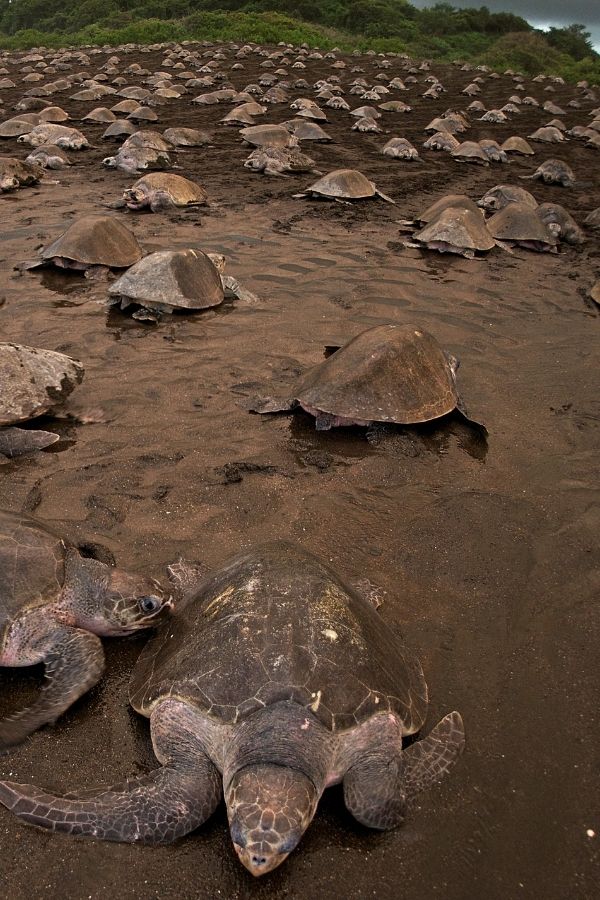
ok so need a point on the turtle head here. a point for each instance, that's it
(132, 602)
(269, 808)
(109, 601)
(135, 198)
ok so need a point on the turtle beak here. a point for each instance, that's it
(258, 861)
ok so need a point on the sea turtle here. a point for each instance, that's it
(175, 279)
(16, 173)
(388, 373)
(304, 130)
(163, 190)
(49, 156)
(91, 242)
(455, 230)
(33, 383)
(53, 605)
(61, 135)
(553, 171)
(592, 220)
(470, 152)
(187, 137)
(502, 194)
(400, 148)
(560, 222)
(276, 161)
(442, 140)
(269, 136)
(343, 184)
(137, 159)
(493, 151)
(275, 680)
(547, 135)
(519, 224)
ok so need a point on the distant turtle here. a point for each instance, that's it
(91, 242)
(400, 148)
(366, 125)
(53, 604)
(269, 136)
(277, 161)
(442, 140)
(558, 220)
(388, 373)
(433, 212)
(343, 184)
(456, 230)
(19, 125)
(274, 681)
(16, 173)
(470, 152)
(137, 159)
(519, 224)
(163, 190)
(502, 194)
(554, 171)
(303, 130)
(187, 137)
(547, 135)
(61, 135)
(174, 279)
(49, 156)
(493, 151)
(118, 129)
(34, 382)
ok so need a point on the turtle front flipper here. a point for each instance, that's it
(74, 663)
(426, 762)
(16, 441)
(156, 808)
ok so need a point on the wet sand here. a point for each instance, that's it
(487, 553)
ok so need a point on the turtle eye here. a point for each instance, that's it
(149, 604)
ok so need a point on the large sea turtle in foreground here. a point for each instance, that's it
(34, 382)
(273, 681)
(53, 605)
(389, 373)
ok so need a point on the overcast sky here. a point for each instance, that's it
(541, 13)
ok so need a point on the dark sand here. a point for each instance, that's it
(488, 555)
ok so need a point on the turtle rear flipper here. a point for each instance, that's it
(385, 197)
(427, 761)
(73, 664)
(232, 286)
(16, 441)
(265, 405)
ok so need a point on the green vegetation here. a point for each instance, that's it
(442, 32)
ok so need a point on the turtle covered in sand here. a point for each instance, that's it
(343, 185)
(49, 156)
(272, 682)
(163, 190)
(170, 280)
(16, 173)
(389, 373)
(278, 161)
(34, 382)
(53, 605)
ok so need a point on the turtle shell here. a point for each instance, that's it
(32, 563)
(304, 130)
(502, 194)
(267, 136)
(182, 191)
(458, 227)
(34, 382)
(182, 279)
(96, 241)
(519, 222)
(349, 183)
(186, 137)
(433, 212)
(276, 624)
(389, 373)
